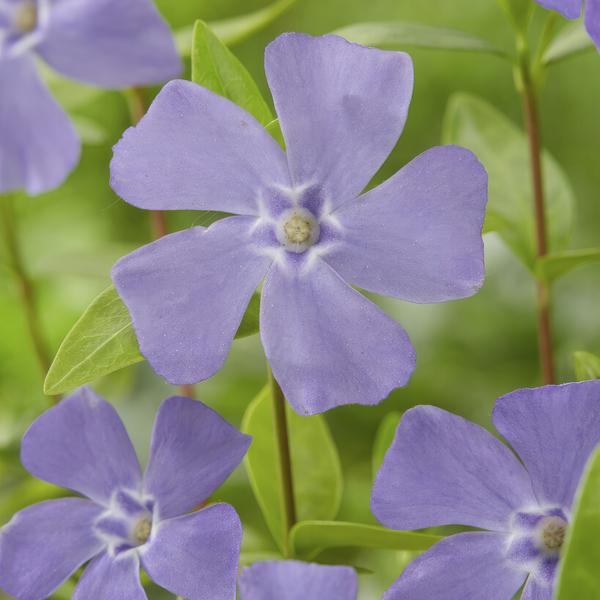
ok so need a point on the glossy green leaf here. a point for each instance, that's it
(400, 35)
(317, 473)
(103, 341)
(553, 266)
(237, 29)
(579, 575)
(587, 366)
(572, 40)
(503, 150)
(215, 67)
(274, 128)
(311, 537)
(383, 439)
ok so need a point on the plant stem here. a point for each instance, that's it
(136, 101)
(24, 283)
(285, 460)
(532, 125)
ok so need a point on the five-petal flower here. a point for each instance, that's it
(128, 518)
(571, 9)
(442, 469)
(303, 224)
(295, 580)
(109, 43)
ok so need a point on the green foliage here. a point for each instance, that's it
(383, 439)
(587, 366)
(503, 150)
(236, 29)
(103, 341)
(579, 575)
(518, 11)
(572, 40)
(400, 35)
(317, 473)
(215, 67)
(311, 537)
(554, 266)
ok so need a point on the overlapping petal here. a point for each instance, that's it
(44, 544)
(592, 20)
(341, 106)
(196, 556)
(571, 9)
(441, 469)
(326, 343)
(295, 580)
(554, 430)
(534, 590)
(187, 293)
(418, 236)
(111, 578)
(81, 444)
(193, 451)
(197, 150)
(110, 43)
(38, 144)
(461, 567)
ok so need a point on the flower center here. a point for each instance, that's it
(26, 17)
(142, 530)
(552, 531)
(297, 230)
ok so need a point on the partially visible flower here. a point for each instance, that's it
(295, 580)
(129, 518)
(108, 43)
(571, 9)
(442, 470)
(304, 225)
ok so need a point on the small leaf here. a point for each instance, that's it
(587, 366)
(383, 439)
(572, 40)
(316, 466)
(503, 150)
(90, 131)
(103, 341)
(553, 266)
(274, 128)
(215, 67)
(236, 29)
(579, 575)
(399, 35)
(311, 537)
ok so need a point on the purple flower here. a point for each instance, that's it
(109, 43)
(303, 225)
(295, 580)
(442, 469)
(130, 518)
(571, 9)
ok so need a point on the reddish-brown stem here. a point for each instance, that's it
(187, 390)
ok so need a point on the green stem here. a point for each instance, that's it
(528, 93)
(284, 459)
(24, 283)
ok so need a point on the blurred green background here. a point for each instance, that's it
(469, 352)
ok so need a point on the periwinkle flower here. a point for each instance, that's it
(442, 469)
(296, 580)
(127, 518)
(109, 43)
(571, 9)
(303, 224)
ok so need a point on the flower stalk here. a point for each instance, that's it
(284, 459)
(24, 283)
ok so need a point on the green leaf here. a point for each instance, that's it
(553, 266)
(215, 67)
(587, 366)
(383, 439)
(317, 473)
(237, 29)
(519, 12)
(311, 537)
(103, 341)
(579, 575)
(399, 35)
(572, 40)
(503, 149)
(274, 128)
(90, 131)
